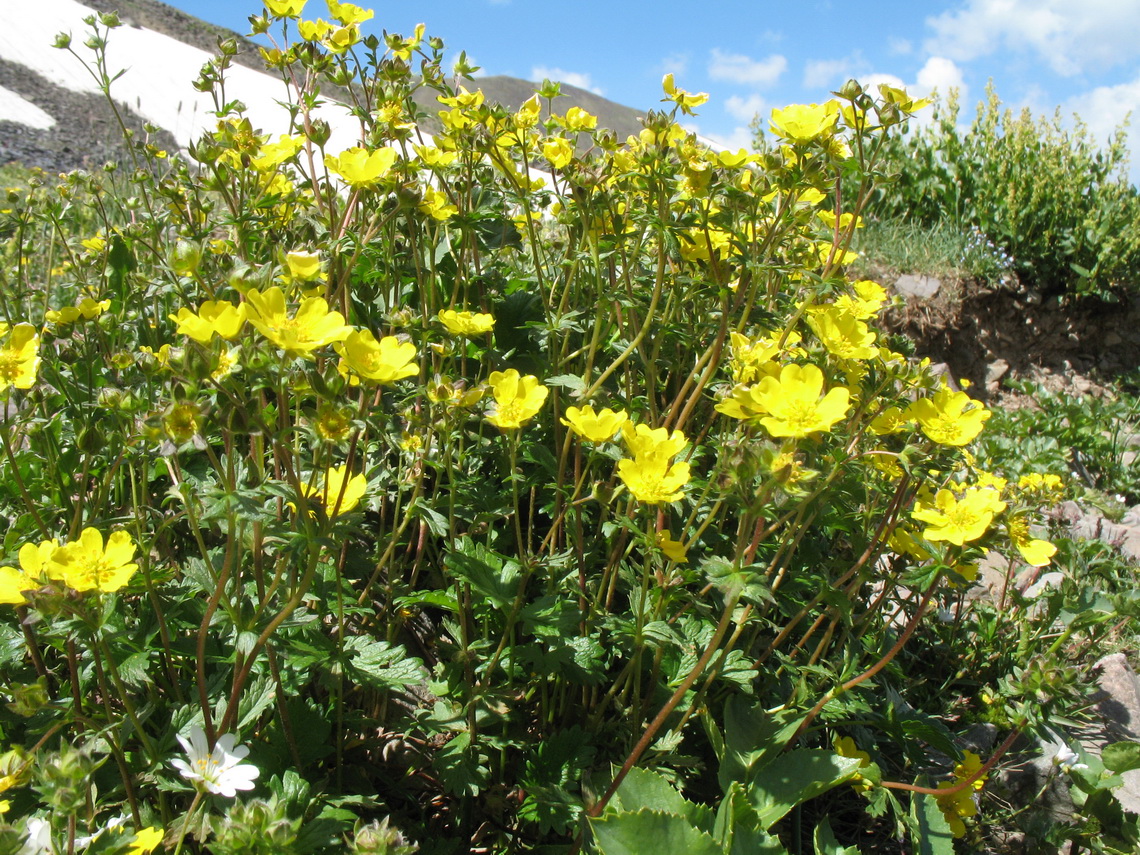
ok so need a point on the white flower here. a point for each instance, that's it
(221, 770)
(1065, 759)
(38, 837)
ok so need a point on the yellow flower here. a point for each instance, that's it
(384, 361)
(867, 301)
(13, 583)
(19, 357)
(891, 420)
(845, 747)
(753, 358)
(517, 399)
(790, 405)
(1036, 552)
(349, 14)
(182, 421)
(649, 475)
(432, 156)
(145, 841)
(161, 357)
(653, 479)
(945, 418)
(645, 442)
(313, 325)
(285, 8)
(466, 323)
(805, 122)
(577, 119)
(87, 308)
(960, 805)
(1050, 488)
(94, 245)
(558, 151)
(227, 364)
(842, 334)
(959, 520)
(303, 266)
(436, 204)
(86, 565)
(681, 98)
(596, 427)
(220, 317)
(271, 155)
(674, 549)
(360, 167)
(341, 492)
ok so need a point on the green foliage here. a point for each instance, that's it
(1056, 204)
(1096, 440)
(392, 497)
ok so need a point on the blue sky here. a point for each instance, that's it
(1079, 55)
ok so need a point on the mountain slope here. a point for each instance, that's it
(51, 114)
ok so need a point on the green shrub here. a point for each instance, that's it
(1058, 205)
(403, 496)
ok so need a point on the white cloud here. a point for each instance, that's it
(738, 68)
(942, 74)
(1103, 110)
(572, 78)
(744, 109)
(740, 137)
(675, 63)
(938, 73)
(1068, 36)
(827, 73)
(899, 47)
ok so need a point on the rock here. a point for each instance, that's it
(919, 287)
(1120, 708)
(995, 371)
(1113, 340)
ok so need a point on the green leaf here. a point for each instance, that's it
(932, 832)
(826, 844)
(461, 768)
(383, 665)
(795, 778)
(644, 789)
(1121, 757)
(568, 381)
(497, 580)
(651, 831)
(752, 735)
(737, 827)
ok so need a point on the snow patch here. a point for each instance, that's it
(13, 108)
(158, 82)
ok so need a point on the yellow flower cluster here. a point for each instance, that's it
(85, 564)
(962, 805)
(650, 475)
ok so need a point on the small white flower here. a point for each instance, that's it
(37, 839)
(221, 770)
(1065, 759)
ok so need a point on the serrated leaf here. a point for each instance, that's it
(644, 789)
(383, 665)
(651, 831)
(487, 573)
(1121, 757)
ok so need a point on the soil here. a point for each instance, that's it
(990, 336)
